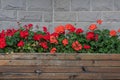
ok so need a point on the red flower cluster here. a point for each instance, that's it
(2, 40)
(113, 33)
(65, 42)
(2, 43)
(93, 27)
(20, 44)
(24, 34)
(79, 30)
(43, 44)
(86, 46)
(37, 37)
(29, 26)
(70, 27)
(53, 50)
(10, 32)
(91, 36)
(76, 46)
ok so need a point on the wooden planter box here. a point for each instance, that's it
(60, 66)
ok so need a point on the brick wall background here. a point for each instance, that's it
(51, 13)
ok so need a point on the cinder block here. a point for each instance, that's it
(33, 16)
(8, 15)
(14, 4)
(117, 5)
(102, 5)
(61, 5)
(110, 25)
(80, 5)
(39, 5)
(88, 16)
(111, 16)
(65, 16)
(48, 16)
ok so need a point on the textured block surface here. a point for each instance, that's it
(117, 5)
(30, 16)
(14, 4)
(80, 5)
(61, 5)
(111, 16)
(8, 15)
(48, 16)
(65, 16)
(88, 16)
(102, 5)
(39, 5)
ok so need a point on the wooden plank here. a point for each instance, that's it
(42, 69)
(103, 69)
(107, 63)
(64, 76)
(35, 56)
(46, 62)
(111, 76)
(69, 63)
(100, 56)
(38, 57)
(100, 76)
(18, 75)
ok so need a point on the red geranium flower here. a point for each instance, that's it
(53, 50)
(2, 34)
(43, 44)
(92, 27)
(60, 29)
(53, 40)
(37, 37)
(90, 36)
(45, 29)
(65, 42)
(76, 46)
(20, 44)
(113, 33)
(79, 30)
(29, 26)
(24, 34)
(55, 34)
(86, 46)
(2, 43)
(10, 32)
(46, 37)
(99, 21)
(70, 27)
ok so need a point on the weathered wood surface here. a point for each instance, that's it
(44, 66)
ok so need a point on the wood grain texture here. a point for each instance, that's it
(37, 66)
